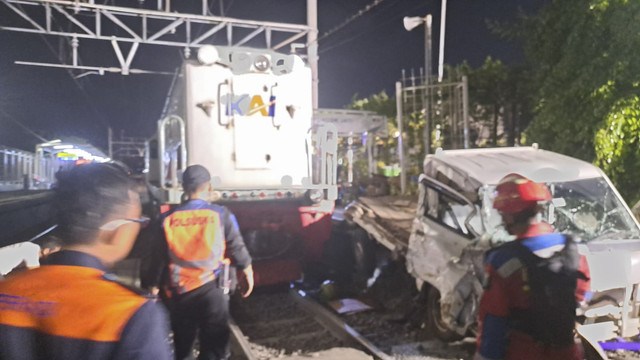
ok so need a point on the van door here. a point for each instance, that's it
(440, 232)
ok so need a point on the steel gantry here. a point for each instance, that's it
(77, 20)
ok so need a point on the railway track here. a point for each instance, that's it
(288, 323)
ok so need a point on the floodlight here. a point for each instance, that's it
(411, 23)
(208, 55)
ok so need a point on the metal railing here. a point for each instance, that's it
(179, 143)
(16, 169)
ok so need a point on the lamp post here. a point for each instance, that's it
(411, 23)
(443, 18)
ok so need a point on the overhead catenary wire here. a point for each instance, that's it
(24, 127)
(388, 20)
(75, 80)
(360, 33)
(350, 19)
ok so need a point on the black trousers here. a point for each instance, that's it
(205, 309)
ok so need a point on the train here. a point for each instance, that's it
(246, 115)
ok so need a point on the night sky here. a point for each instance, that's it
(364, 58)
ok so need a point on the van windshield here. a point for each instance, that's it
(587, 208)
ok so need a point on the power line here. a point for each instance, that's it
(350, 19)
(226, 10)
(361, 33)
(75, 80)
(31, 132)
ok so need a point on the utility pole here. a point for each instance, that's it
(427, 82)
(312, 52)
(443, 18)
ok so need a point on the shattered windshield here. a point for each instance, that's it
(588, 208)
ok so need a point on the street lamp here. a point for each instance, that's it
(411, 23)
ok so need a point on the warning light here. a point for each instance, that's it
(82, 161)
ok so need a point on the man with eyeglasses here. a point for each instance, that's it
(70, 308)
(198, 237)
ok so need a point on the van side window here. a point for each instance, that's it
(447, 211)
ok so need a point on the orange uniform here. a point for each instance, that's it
(68, 309)
(198, 237)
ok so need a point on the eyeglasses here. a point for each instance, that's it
(114, 224)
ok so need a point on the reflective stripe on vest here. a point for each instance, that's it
(196, 243)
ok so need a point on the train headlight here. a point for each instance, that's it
(208, 55)
(261, 63)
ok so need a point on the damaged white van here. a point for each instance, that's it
(445, 232)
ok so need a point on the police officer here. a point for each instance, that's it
(69, 308)
(511, 307)
(198, 236)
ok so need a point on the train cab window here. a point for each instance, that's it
(153, 149)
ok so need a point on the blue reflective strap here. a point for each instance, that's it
(544, 241)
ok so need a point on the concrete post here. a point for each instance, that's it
(427, 75)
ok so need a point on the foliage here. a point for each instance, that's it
(384, 105)
(585, 57)
(387, 147)
(618, 147)
(380, 103)
(498, 95)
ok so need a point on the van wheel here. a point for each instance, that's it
(436, 326)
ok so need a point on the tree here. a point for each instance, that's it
(585, 57)
(381, 104)
(618, 147)
(498, 95)
(488, 88)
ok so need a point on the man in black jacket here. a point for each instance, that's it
(198, 236)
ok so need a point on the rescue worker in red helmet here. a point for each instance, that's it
(198, 237)
(509, 316)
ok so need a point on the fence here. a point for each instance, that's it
(16, 169)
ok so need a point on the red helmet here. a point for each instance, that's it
(515, 193)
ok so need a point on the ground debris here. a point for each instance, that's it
(435, 350)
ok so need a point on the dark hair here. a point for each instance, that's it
(86, 196)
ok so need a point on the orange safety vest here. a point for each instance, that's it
(38, 300)
(196, 245)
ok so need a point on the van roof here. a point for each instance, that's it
(471, 168)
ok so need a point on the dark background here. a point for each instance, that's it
(364, 57)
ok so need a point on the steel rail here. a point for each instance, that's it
(336, 326)
(239, 342)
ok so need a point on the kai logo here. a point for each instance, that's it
(247, 105)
